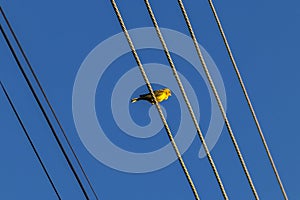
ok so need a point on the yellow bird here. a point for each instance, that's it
(161, 95)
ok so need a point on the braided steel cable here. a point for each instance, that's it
(136, 57)
(213, 87)
(186, 98)
(248, 99)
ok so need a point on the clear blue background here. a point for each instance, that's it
(58, 35)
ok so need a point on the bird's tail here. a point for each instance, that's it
(134, 100)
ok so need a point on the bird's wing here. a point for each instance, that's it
(158, 92)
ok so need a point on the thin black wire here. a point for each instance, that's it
(44, 112)
(30, 141)
(47, 100)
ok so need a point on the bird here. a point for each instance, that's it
(161, 95)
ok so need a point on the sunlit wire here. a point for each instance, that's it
(213, 87)
(153, 19)
(247, 98)
(156, 102)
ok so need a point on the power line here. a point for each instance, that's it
(30, 141)
(120, 19)
(213, 87)
(247, 98)
(44, 112)
(47, 101)
(186, 98)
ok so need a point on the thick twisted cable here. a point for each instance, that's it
(218, 100)
(186, 99)
(155, 100)
(248, 99)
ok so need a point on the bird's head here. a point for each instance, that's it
(168, 92)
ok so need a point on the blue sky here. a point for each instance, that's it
(58, 36)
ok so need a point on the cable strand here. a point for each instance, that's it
(212, 85)
(187, 102)
(247, 98)
(120, 19)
